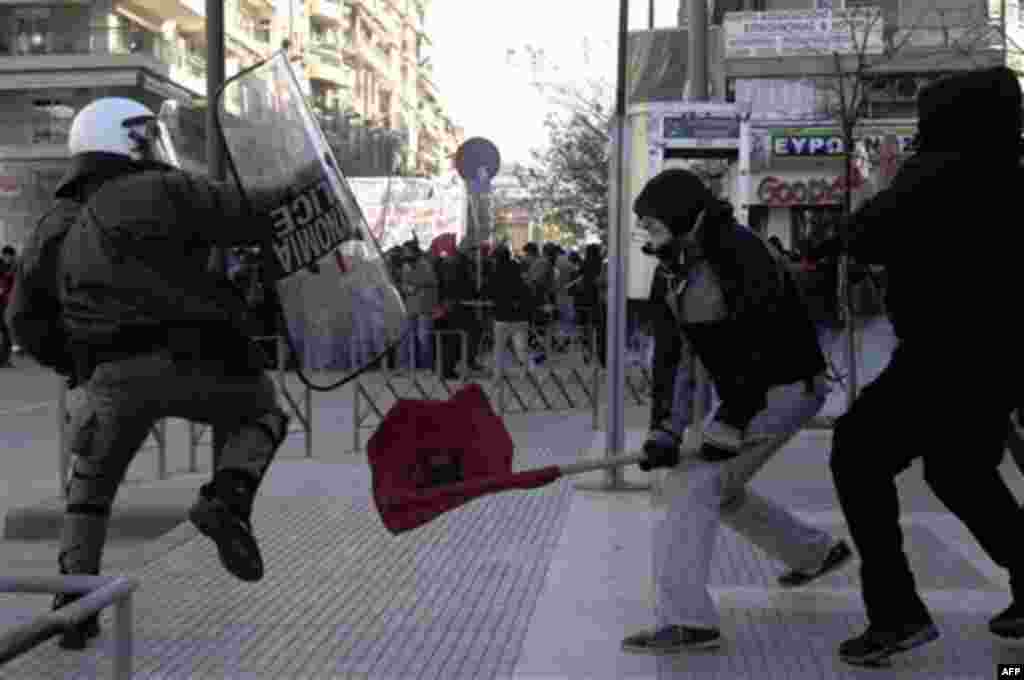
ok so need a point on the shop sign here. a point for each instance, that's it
(803, 32)
(776, 192)
(698, 125)
(810, 144)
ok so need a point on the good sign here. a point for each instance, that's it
(308, 227)
(776, 192)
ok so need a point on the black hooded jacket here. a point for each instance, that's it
(748, 324)
(940, 228)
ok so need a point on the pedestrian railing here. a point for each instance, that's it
(569, 378)
(98, 593)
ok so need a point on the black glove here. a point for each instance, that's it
(660, 450)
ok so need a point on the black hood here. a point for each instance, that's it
(88, 171)
(949, 107)
(676, 197)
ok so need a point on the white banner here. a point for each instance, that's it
(415, 208)
(803, 32)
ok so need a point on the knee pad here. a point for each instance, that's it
(275, 425)
(88, 490)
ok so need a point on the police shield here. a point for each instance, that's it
(336, 290)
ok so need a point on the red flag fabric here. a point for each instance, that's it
(443, 243)
(428, 457)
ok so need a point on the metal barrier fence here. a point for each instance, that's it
(569, 378)
(299, 406)
(99, 592)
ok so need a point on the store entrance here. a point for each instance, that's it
(810, 226)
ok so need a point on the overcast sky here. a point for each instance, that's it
(490, 97)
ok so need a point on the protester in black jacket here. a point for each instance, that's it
(947, 393)
(507, 289)
(742, 316)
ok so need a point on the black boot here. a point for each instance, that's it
(77, 636)
(223, 513)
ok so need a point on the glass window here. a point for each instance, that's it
(51, 121)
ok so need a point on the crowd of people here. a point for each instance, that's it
(456, 295)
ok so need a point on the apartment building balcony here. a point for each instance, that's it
(374, 57)
(190, 72)
(263, 8)
(325, 63)
(377, 10)
(250, 32)
(94, 57)
(188, 14)
(331, 10)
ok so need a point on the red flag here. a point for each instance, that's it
(444, 243)
(428, 457)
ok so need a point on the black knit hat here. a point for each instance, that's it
(676, 197)
(946, 106)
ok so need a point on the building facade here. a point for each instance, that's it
(785, 61)
(369, 79)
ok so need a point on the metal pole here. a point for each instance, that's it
(698, 50)
(214, 80)
(619, 241)
(650, 15)
(355, 414)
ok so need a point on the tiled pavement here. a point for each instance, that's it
(536, 584)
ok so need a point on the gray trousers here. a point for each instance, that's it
(123, 400)
(701, 495)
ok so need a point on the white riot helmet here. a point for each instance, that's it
(121, 126)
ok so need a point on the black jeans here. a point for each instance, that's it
(955, 421)
(6, 341)
(459, 318)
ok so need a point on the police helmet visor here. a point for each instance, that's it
(151, 139)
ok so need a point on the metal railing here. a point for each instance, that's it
(95, 41)
(569, 378)
(99, 592)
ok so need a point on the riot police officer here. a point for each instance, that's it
(153, 333)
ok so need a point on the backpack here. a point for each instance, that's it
(34, 312)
